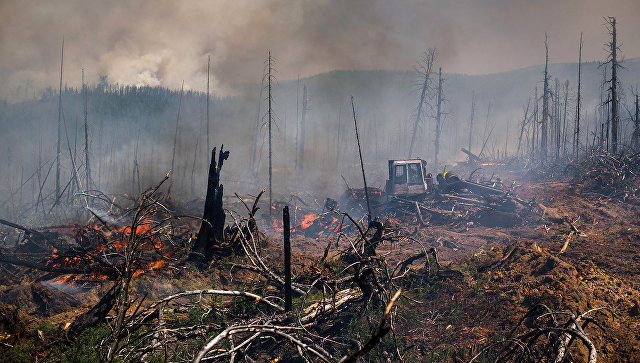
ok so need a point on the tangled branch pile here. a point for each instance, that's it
(611, 175)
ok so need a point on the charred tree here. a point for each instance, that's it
(545, 103)
(212, 227)
(175, 135)
(59, 126)
(270, 112)
(208, 78)
(473, 108)
(288, 292)
(438, 119)
(295, 164)
(536, 119)
(564, 118)
(256, 129)
(364, 178)
(87, 167)
(576, 134)
(636, 131)
(524, 122)
(300, 153)
(429, 59)
(556, 118)
(613, 59)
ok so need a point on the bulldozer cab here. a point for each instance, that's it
(407, 177)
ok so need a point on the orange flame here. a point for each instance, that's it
(308, 220)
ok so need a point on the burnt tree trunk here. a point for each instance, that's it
(545, 104)
(212, 227)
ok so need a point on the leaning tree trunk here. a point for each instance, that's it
(212, 227)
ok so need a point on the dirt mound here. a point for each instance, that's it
(528, 275)
(37, 299)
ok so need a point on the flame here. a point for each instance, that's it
(308, 220)
(152, 266)
(109, 240)
(323, 225)
(141, 228)
(277, 225)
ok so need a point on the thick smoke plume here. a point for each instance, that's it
(163, 42)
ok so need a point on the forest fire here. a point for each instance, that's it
(93, 252)
(313, 225)
(462, 229)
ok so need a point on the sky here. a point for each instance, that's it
(163, 42)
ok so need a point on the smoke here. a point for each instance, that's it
(164, 42)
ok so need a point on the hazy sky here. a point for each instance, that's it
(162, 42)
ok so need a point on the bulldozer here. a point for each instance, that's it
(408, 183)
(408, 178)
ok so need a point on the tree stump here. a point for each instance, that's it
(212, 227)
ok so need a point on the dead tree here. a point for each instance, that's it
(270, 113)
(256, 129)
(295, 164)
(428, 60)
(522, 126)
(438, 119)
(175, 135)
(87, 167)
(59, 127)
(636, 131)
(208, 78)
(613, 88)
(564, 118)
(212, 227)
(301, 147)
(545, 103)
(534, 125)
(556, 118)
(473, 108)
(364, 178)
(576, 134)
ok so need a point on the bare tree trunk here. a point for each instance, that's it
(301, 151)
(87, 166)
(636, 131)
(195, 155)
(297, 124)
(135, 172)
(524, 122)
(256, 130)
(270, 151)
(364, 178)
(534, 137)
(556, 118)
(545, 104)
(473, 109)
(564, 119)
(576, 135)
(208, 78)
(338, 139)
(614, 86)
(175, 135)
(438, 119)
(59, 126)
(429, 59)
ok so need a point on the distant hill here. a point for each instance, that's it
(121, 118)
